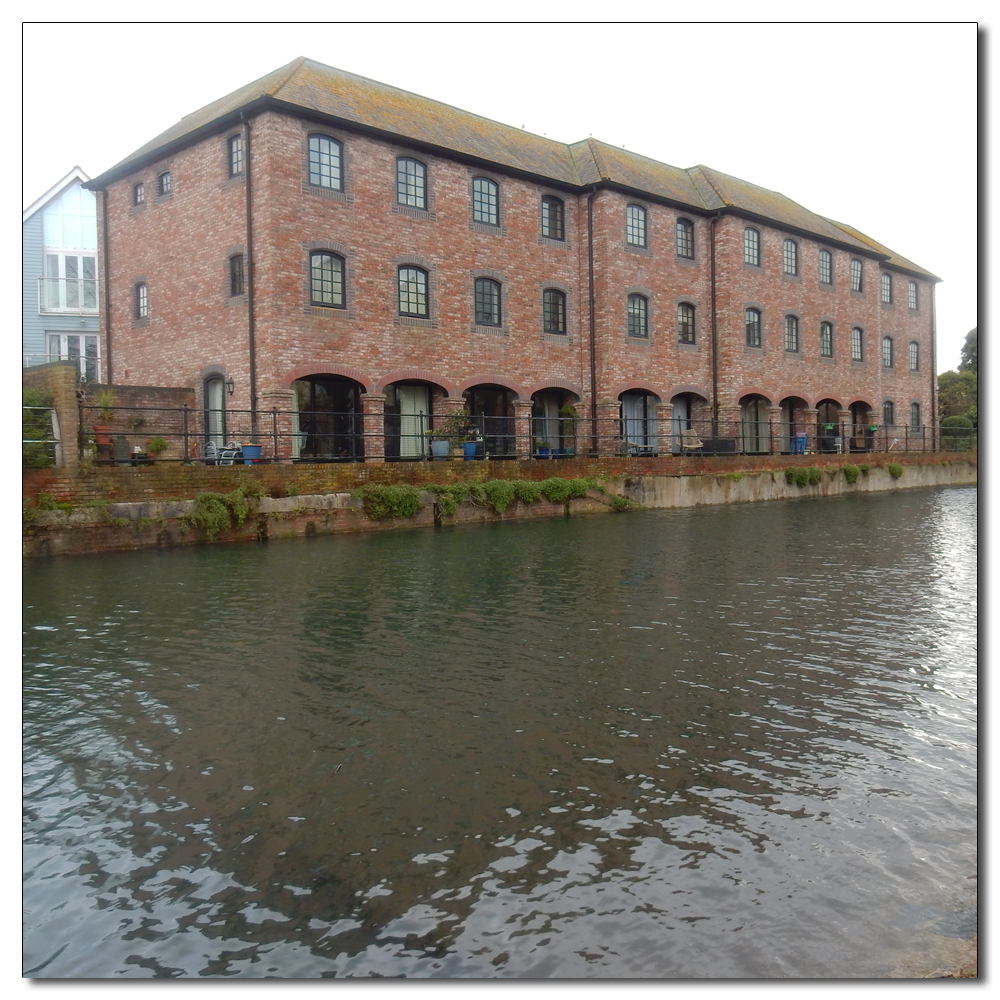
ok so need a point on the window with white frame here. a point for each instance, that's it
(83, 348)
(69, 284)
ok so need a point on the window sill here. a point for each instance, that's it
(686, 261)
(413, 213)
(556, 338)
(425, 324)
(795, 279)
(548, 241)
(689, 348)
(642, 251)
(638, 341)
(329, 194)
(490, 331)
(488, 229)
(747, 349)
(329, 312)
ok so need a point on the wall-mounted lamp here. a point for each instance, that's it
(230, 386)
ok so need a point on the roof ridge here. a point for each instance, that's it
(293, 67)
(592, 145)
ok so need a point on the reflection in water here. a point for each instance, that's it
(722, 742)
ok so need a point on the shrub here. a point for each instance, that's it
(45, 501)
(814, 475)
(865, 468)
(527, 491)
(215, 512)
(36, 429)
(895, 470)
(796, 475)
(561, 490)
(382, 501)
(851, 473)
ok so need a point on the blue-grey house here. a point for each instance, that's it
(59, 277)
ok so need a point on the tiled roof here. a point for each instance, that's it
(319, 89)
(895, 260)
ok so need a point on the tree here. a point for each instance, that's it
(970, 352)
(958, 394)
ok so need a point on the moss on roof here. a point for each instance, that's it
(325, 91)
(895, 259)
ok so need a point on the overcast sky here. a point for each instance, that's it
(869, 124)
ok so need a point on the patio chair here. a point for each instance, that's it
(690, 442)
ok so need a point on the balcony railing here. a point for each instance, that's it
(77, 296)
(126, 435)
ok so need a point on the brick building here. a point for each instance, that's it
(366, 260)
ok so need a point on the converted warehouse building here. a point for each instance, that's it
(349, 263)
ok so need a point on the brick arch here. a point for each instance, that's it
(829, 399)
(858, 399)
(751, 391)
(680, 390)
(565, 386)
(329, 369)
(411, 374)
(637, 387)
(794, 391)
(490, 378)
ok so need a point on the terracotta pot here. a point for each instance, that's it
(102, 435)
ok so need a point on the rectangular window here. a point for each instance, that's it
(635, 226)
(685, 323)
(911, 294)
(69, 284)
(825, 267)
(325, 162)
(553, 311)
(413, 292)
(914, 356)
(237, 285)
(751, 247)
(487, 295)
(888, 413)
(79, 347)
(685, 238)
(163, 183)
(752, 320)
(326, 280)
(826, 340)
(141, 302)
(856, 285)
(638, 325)
(887, 288)
(791, 333)
(411, 183)
(887, 352)
(236, 156)
(139, 194)
(914, 416)
(791, 257)
(857, 345)
(485, 201)
(553, 218)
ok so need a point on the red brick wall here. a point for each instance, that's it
(180, 245)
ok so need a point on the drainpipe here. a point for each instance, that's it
(251, 328)
(715, 336)
(107, 288)
(593, 322)
(933, 366)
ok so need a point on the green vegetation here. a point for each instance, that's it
(799, 476)
(851, 473)
(865, 468)
(970, 352)
(215, 512)
(105, 400)
(36, 429)
(958, 395)
(156, 446)
(734, 476)
(895, 470)
(382, 501)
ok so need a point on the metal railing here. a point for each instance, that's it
(40, 443)
(68, 295)
(129, 435)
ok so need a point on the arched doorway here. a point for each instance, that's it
(862, 437)
(685, 406)
(328, 424)
(755, 435)
(553, 422)
(828, 430)
(639, 422)
(492, 410)
(408, 409)
(792, 426)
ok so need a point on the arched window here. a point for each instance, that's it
(888, 413)
(887, 288)
(638, 321)
(326, 162)
(487, 295)
(685, 323)
(635, 226)
(911, 295)
(411, 182)
(791, 333)
(825, 267)
(485, 201)
(856, 283)
(752, 319)
(237, 277)
(553, 311)
(914, 356)
(857, 344)
(139, 194)
(141, 303)
(790, 257)
(751, 247)
(685, 238)
(413, 294)
(553, 218)
(235, 155)
(914, 416)
(163, 183)
(887, 352)
(326, 281)
(826, 340)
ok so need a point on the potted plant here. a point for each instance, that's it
(541, 448)
(155, 446)
(450, 436)
(105, 401)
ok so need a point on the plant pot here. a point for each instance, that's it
(102, 434)
(456, 451)
(439, 450)
(469, 450)
(250, 452)
(543, 452)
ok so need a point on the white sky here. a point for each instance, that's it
(870, 124)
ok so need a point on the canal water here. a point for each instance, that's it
(718, 742)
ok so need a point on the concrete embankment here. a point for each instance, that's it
(132, 508)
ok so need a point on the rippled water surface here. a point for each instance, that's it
(720, 742)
